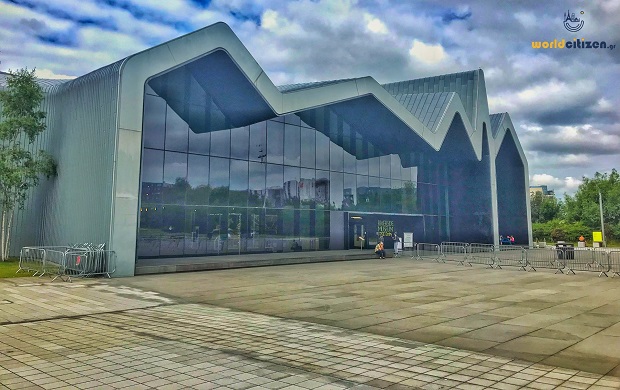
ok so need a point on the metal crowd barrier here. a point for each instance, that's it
(589, 260)
(614, 263)
(427, 250)
(481, 254)
(65, 262)
(545, 258)
(564, 259)
(510, 256)
(454, 251)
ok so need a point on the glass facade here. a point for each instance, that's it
(276, 185)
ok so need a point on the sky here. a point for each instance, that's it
(563, 102)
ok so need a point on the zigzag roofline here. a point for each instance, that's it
(283, 100)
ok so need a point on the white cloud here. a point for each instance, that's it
(527, 19)
(428, 54)
(603, 105)
(48, 74)
(568, 184)
(529, 128)
(279, 25)
(375, 25)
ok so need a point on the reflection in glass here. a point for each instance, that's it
(386, 198)
(256, 184)
(274, 184)
(240, 142)
(217, 230)
(173, 230)
(374, 193)
(397, 196)
(196, 221)
(217, 202)
(237, 230)
(308, 147)
(385, 163)
(306, 229)
(150, 230)
(275, 142)
(322, 151)
(292, 119)
(175, 178)
(396, 167)
(198, 179)
(219, 181)
(336, 190)
(292, 144)
(238, 183)
(307, 191)
(258, 142)
(176, 132)
(336, 158)
(321, 185)
(349, 192)
(198, 142)
(363, 195)
(374, 166)
(220, 143)
(154, 121)
(349, 163)
(362, 167)
(291, 186)
(291, 240)
(152, 175)
(322, 229)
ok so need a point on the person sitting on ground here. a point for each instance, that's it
(296, 247)
(380, 250)
(512, 240)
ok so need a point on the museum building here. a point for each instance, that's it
(187, 149)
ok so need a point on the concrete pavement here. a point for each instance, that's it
(570, 321)
(364, 324)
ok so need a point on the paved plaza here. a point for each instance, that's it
(390, 324)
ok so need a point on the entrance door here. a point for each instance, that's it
(357, 232)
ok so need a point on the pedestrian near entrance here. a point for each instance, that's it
(396, 240)
(380, 250)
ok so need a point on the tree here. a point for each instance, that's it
(584, 205)
(544, 208)
(20, 167)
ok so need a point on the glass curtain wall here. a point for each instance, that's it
(270, 186)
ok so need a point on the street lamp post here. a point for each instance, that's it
(600, 204)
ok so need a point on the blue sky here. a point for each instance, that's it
(564, 103)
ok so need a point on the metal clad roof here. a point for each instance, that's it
(314, 84)
(427, 107)
(496, 122)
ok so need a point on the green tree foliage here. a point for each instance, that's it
(584, 205)
(544, 208)
(552, 230)
(20, 167)
(579, 214)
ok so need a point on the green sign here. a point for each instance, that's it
(385, 228)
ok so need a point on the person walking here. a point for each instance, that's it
(396, 240)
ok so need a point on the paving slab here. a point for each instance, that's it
(263, 328)
(383, 297)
